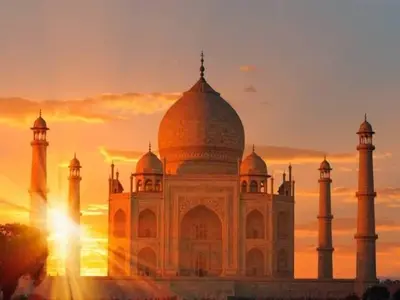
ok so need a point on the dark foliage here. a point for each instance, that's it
(352, 297)
(396, 295)
(376, 292)
(23, 251)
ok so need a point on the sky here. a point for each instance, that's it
(301, 75)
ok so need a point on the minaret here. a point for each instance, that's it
(38, 188)
(325, 249)
(366, 236)
(74, 212)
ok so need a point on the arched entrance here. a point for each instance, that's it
(254, 263)
(200, 251)
(147, 262)
(255, 226)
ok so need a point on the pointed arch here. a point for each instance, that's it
(148, 185)
(255, 262)
(255, 225)
(244, 186)
(147, 225)
(200, 243)
(119, 224)
(253, 186)
(147, 262)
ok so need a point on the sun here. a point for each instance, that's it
(61, 228)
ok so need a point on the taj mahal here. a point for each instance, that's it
(201, 220)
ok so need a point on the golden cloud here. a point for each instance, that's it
(343, 227)
(95, 210)
(100, 109)
(277, 155)
(389, 196)
(247, 68)
(111, 155)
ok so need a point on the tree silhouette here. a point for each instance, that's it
(376, 292)
(396, 295)
(23, 251)
(352, 297)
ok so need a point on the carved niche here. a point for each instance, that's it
(215, 204)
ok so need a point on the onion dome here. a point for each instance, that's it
(365, 127)
(201, 133)
(149, 163)
(75, 163)
(325, 165)
(253, 164)
(40, 123)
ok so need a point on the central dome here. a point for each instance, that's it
(201, 133)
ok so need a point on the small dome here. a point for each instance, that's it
(253, 165)
(325, 165)
(40, 123)
(149, 164)
(365, 127)
(75, 163)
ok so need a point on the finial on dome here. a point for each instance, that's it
(74, 154)
(40, 113)
(149, 146)
(365, 117)
(202, 65)
(254, 148)
(325, 156)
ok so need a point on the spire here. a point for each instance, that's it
(365, 117)
(254, 148)
(149, 146)
(40, 113)
(325, 156)
(202, 65)
(74, 154)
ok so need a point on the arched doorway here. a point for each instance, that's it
(119, 228)
(254, 263)
(147, 262)
(200, 252)
(147, 224)
(255, 225)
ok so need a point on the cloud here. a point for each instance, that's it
(120, 155)
(389, 196)
(250, 89)
(284, 155)
(276, 155)
(247, 68)
(100, 109)
(343, 226)
(273, 155)
(336, 191)
(95, 210)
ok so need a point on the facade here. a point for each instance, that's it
(200, 211)
(202, 221)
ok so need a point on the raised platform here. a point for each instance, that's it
(190, 288)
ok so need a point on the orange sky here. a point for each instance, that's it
(74, 132)
(300, 76)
